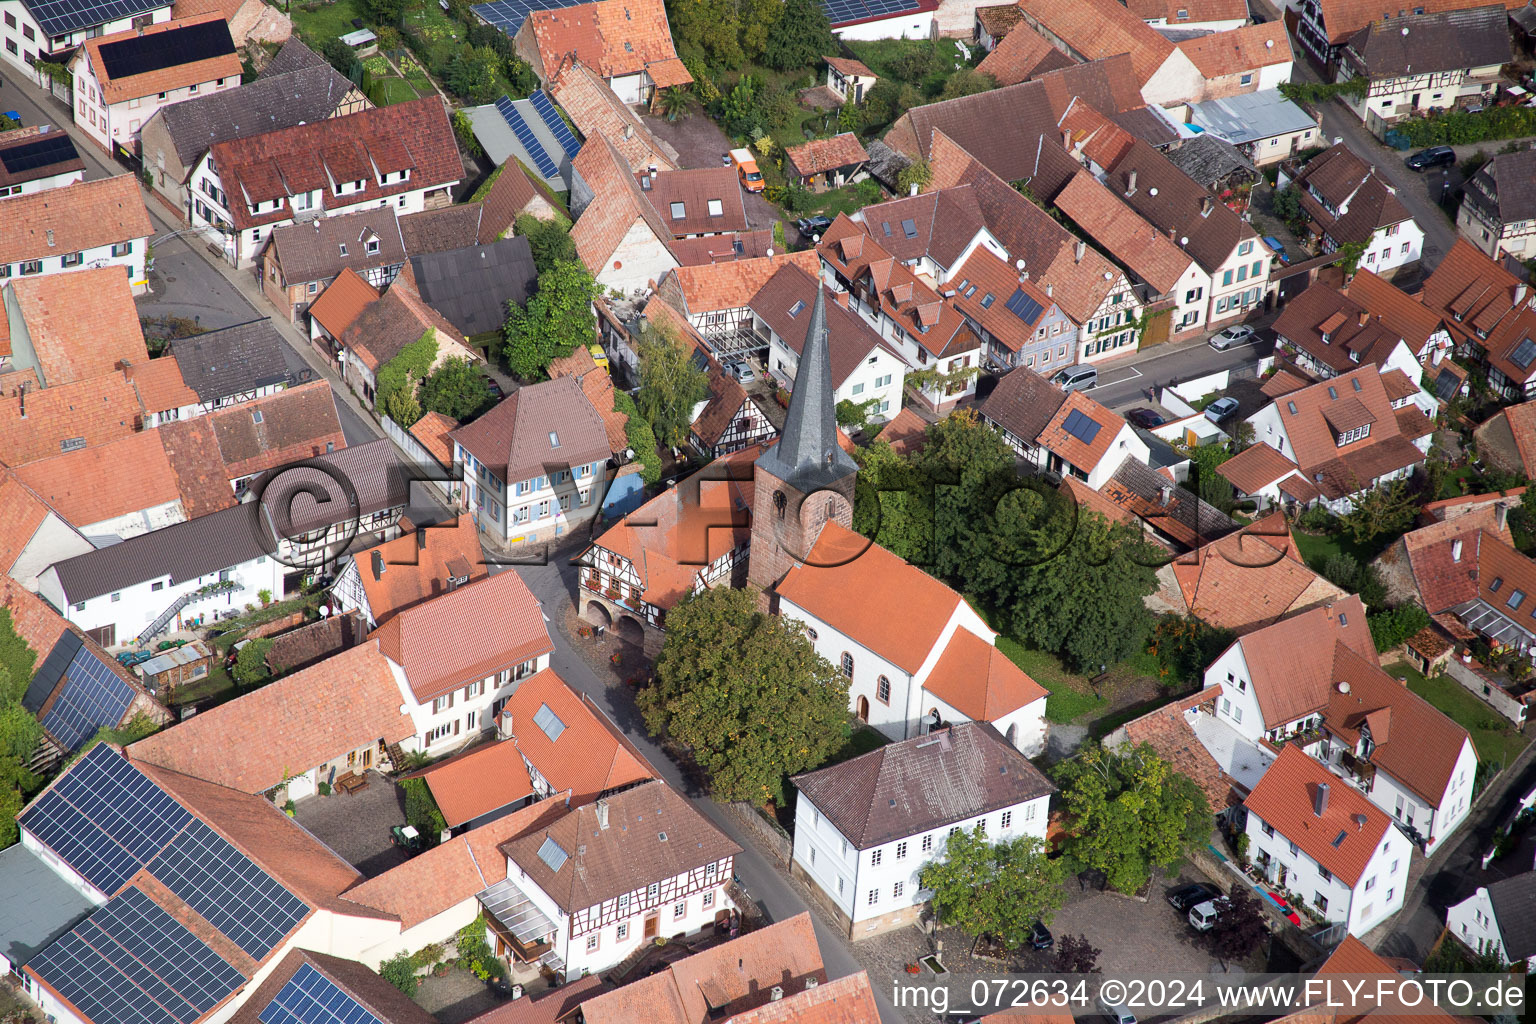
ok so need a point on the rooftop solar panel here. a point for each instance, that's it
(524, 132)
(549, 722)
(1524, 353)
(93, 697)
(51, 670)
(1023, 307)
(552, 854)
(508, 15)
(555, 123)
(841, 12)
(231, 892)
(139, 55)
(309, 997)
(60, 17)
(1082, 427)
(53, 148)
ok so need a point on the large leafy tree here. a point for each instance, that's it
(19, 731)
(556, 319)
(1129, 812)
(472, 73)
(549, 241)
(707, 28)
(1380, 511)
(671, 383)
(998, 889)
(800, 37)
(455, 389)
(745, 693)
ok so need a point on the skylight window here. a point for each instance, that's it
(679, 211)
(554, 439)
(1333, 392)
(987, 300)
(796, 309)
(549, 722)
(1292, 407)
(1338, 840)
(1356, 382)
(909, 227)
(255, 415)
(1498, 581)
(1515, 597)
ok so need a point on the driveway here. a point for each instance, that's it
(700, 143)
(1149, 939)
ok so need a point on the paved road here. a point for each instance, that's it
(553, 585)
(1124, 385)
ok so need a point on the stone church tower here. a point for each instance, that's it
(806, 478)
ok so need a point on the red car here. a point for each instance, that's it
(1285, 908)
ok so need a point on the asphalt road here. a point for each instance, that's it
(1124, 386)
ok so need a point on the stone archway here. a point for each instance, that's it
(598, 615)
(629, 629)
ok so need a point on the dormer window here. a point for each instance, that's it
(373, 246)
(1351, 436)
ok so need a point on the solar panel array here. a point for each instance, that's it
(59, 17)
(53, 148)
(524, 132)
(94, 696)
(225, 886)
(140, 55)
(105, 818)
(51, 670)
(841, 12)
(1082, 427)
(133, 963)
(554, 122)
(1023, 307)
(508, 15)
(546, 719)
(309, 997)
(1524, 353)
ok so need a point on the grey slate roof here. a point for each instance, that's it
(36, 905)
(304, 92)
(1209, 160)
(1023, 403)
(293, 56)
(231, 360)
(1514, 909)
(1207, 521)
(1250, 116)
(1419, 44)
(1504, 188)
(374, 479)
(923, 783)
(885, 164)
(472, 286)
(808, 456)
(1525, 17)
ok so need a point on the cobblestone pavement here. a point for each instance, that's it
(357, 827)
(456, 996)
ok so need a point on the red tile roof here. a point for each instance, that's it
(432, 431)
(501, 607)
(485, 778)
(722, 286)
(907, 432)
(255, 741)
(979, 681)
(1470, 292)
(21, 513)
(1102, 28)
(1239, 50)
(1343, 18)
(1284, 799)
(193, 450)
(83, 324)
(38, 424)
(984, 275)
(417, 565)
(1251, 578)
(342, 302)
(589, 757)
(160, 385)
(1313, 435)
(696, 189)
(598, 113)
(612, 37)
(73, 218)
(1352, 186)
(617, 205)
(1256, 467)
(1357, 336)
(1180, 12)
(849, 66)
(848, 1000)
(1291, 663)
(1168, 731)
(1020, 56)
(829, 154)
(102, 482)
(1058, 441)
(226, 64)
(536, 426)
(1149, 253)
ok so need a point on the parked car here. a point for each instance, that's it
(1285, 909)
(1145, 418)
(1202, 916)
(1434, 156)
(1220, 409)
(1077, 378)
(1117, 1013)
(741, 371)
(812, 227)
(1040, 937)
(1222, 340)
(1188, 896)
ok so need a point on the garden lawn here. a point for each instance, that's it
(838, 200)
(1070, 698)
(1315, 547)
(330, 21)
(1492, 735)
(881, 54)
(393, 89)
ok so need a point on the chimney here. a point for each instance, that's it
(1520, 290)
(1320, 800)
(1166, 493)
(1082, 247)
(50, 238)
(629, 130)
(776, 993)
(1456, 550)
(912, 189)
(1130, 188)
(378, 565)
(1066, 139)
(1365, 318)
(602, 815)
(811, 982)
(1500, 516)
(1049, 288)
(22, 392)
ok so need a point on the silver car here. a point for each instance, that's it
(741, 371)
(1231, 336)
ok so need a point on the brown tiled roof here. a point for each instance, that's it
(695, 189)
(850, 339)
(371, 991)
(295, 423)
(1469, 291)
(1283, 383)
(1521, 421)
(552, 1006)
(313, 643)
(1171, 200)
(907, 432)
(38, 424)
(21, 513)
(1250, 579)
(160, 384)
(1103, 28)
(501, 607)
(1147, 252)
(1020, 56)
(617, 204)
(1256, 467)
(740, 245)
(820, 155)
(668, 73)
(979, 681)
(535, 426)
(1395, 308)
(193, 451)
(1505, 338)
(1414, 743)
(342, 302)
(417, 565)
(981, 286)
(508, 197)
(1343, 18)
(945, 222)
(1291, 663)
(1154, 498)
(1355, 336)
(253, 742)
(1348, 183)
(447, 875)
(101, 482)
(1179, 12)
(1169, 733)
(917, 785)
(413, 136)
(73, 218)
(721, 286)
(1443, 579)
(1500, 564)
(225, 63)
(849, 66)
(320, 249)
(598, 113)
(432, 431)
(483, 779)
(589, 756)
(999, 19)
(443, 229)
(847, 1000)
(1284, 799)
(723, 981)
(1239, 50)
(83, 324)
(1085, 456)
(1023, 403)
(385, 327)
(597, 385)
(612, 37)
(653, 834)
(1502, 189)
(1313, 434)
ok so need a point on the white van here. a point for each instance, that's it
(1202, 917)
(1077, 378)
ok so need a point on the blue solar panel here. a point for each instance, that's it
(309, 997)
(554, 122)
(105, 818)
(508, 15)
(133, 963)
(225, 886)
(1084, 428)
(1023, 307)
(94, 697)
(841, 12)
(524, 132)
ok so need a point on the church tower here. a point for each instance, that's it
(806, 478)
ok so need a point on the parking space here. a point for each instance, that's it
(1136, 938)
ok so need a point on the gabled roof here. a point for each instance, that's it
(850, 67)
(56, 18)
(1193, 12)
(1328, 409)
(597, 384)
(22, 512)
(290, 425)
(1343, 838)
(922, 783)
(1163, 505)
(536, 429)
(1102, 28)
(1514, 911)
(73, 218)
(180, 53)
(581, 750)
(1255, 468)
(1239, 50)
(707, 986)
(231, 360)
(1070, 444)
(1343, 18)
(1171, 200)
(1020, 56)
(850, 339)
(1251, 578)
(160, 385)
(255, 741)
(61, 155)
(397, 319)
(501, 608)
(653, 834)
(980, 681)
(418, 565)
(1360, 200)
(342, 302)
(617, 204)
(102, 482)
(983, 288)
(1023, 403)
(1396, 309)
(612, 37)
(38, 424)
(847, 1000)
(1471, 293)
(319, 249)
(1147, 252)
(1435, 41)
(367, 988)
(509, 196)
(599, 114)
(1355, 336)
(1502, 188)
(1167, 730)
(479, 781)
(939, 224)
(721, 286)
(827, 154)
(82, 324)
(695, 189)
(471, 287)
(1291, 663)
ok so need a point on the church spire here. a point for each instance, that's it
(808, 456)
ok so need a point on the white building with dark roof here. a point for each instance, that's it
(1499, 918)
(866, 828)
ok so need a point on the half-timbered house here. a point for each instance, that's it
(715, 297)
(232, 364)
(727, 419)
(586, 890)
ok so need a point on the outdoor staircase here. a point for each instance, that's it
(165, 618)
(396, 756)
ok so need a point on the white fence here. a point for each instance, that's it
(418, 454)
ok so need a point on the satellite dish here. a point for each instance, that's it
(1152, 191)
(1019, 264)
(770, 254)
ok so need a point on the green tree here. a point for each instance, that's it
(967, 82)
(465, 130)
(1240, 926)
(19, 736)
(745, 693)
(384, 12)
(995, 889)
(548, 240)
(556, 319)
(456, 389)
(1129, 812)
(400, 971)
(338, 55)
(1380, 511)
(673, 102)
(709, 28)
(918, 173)
(1392, 627)
(671, 384)
(1286, 203)
(472, 74)
(640, 437)
(757, 20)
(135, 729)
(398, 379)
(854, 416)
(1208, 483)
(1185, 645)
(1350, 255)
(251, 662)
(800, 37)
